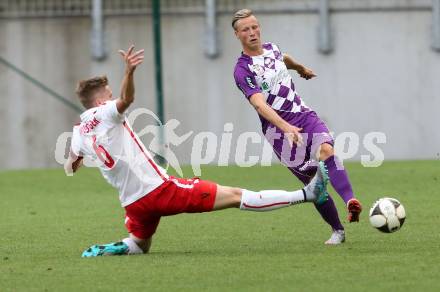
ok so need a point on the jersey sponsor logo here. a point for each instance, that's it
(89, 126)
(264, 86)
(269, 63)
(281, 76)
(257, 69)
(249, 82)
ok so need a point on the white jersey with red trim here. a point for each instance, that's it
(105, 136)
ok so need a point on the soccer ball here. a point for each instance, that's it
(387, 215)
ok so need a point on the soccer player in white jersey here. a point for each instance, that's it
(261, 73)
(145, 190)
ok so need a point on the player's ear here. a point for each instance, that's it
(98, 101)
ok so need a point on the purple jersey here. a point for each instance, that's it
(267, 74)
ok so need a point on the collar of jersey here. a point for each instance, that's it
(87, 113)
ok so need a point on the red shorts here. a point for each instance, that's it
(177, 195)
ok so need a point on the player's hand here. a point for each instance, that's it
(306, 73)
(77, 164)
(293, 135)
(132, 59)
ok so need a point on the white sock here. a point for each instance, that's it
(133, 248)
(270, 200)
(310, 195)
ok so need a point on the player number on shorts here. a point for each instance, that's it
(102, 154)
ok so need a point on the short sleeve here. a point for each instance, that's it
(109, 112)
(245, 81)
(75, 144)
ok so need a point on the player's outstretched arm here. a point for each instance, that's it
(132, 60)
(291, 132)
(303, 71)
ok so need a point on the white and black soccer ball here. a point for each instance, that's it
(387, 215)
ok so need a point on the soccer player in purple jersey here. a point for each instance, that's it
(298, 137)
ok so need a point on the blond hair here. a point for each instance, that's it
(240, 14)
(87, 88)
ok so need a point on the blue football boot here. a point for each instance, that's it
(318, 185)
(322, 173)
(115, 248)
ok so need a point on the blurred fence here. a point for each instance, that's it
(66, 8)
(380, 76)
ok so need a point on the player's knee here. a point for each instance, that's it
(227, 197)
(146, 249)
(237, 194)
(143, 244)
(326, 151)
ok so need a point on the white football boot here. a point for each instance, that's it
(338, 237)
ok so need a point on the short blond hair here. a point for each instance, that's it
(240, 14)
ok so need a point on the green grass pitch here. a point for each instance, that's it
(48, 219)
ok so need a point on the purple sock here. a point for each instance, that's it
(329, 213)
(327, 210)
(339, 178)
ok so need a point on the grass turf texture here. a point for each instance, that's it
(48, 219)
